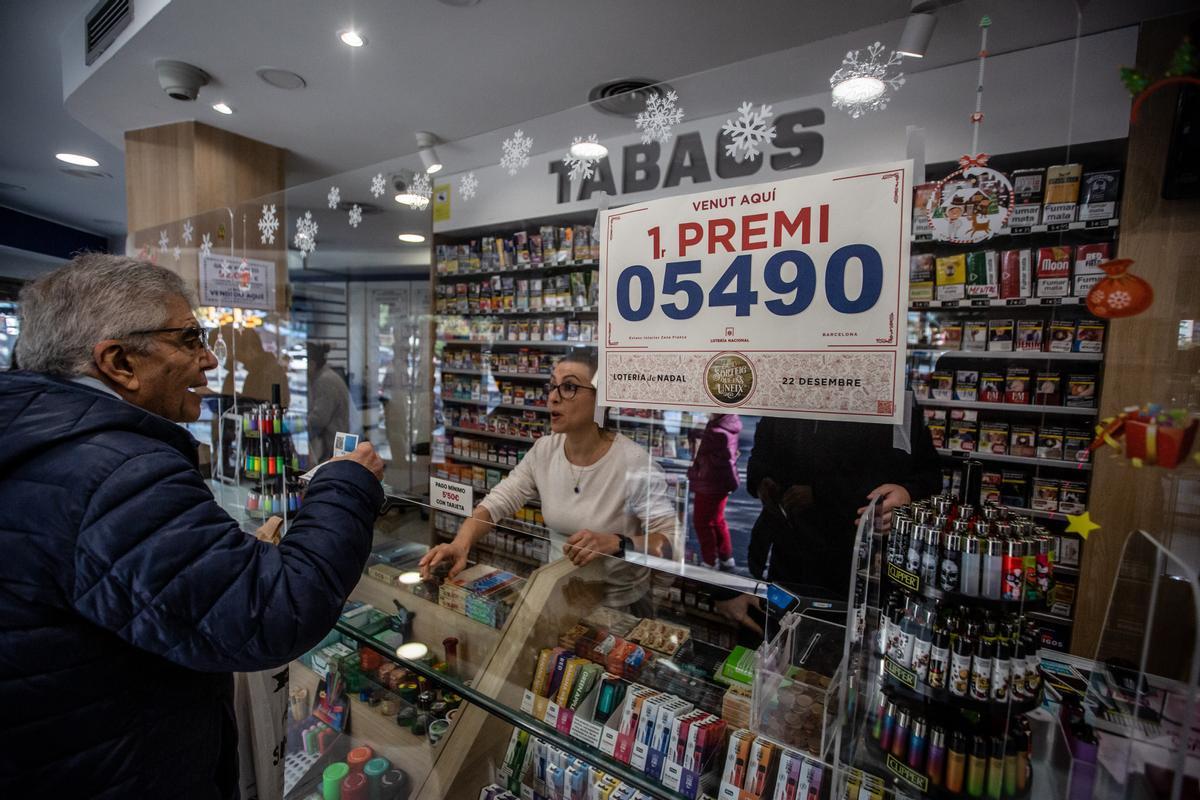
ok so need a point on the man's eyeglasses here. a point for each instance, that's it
(566, 391)
(194, 337)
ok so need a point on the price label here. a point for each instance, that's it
(1099, 223)
(608, 741)
(950, 304)
(527, 702)
(586, 731)
(640, 751)
(1018, 230)
(551, 717)
(1051, 301)
(980, 302)
(1058, 227)
(1016, 301)
(457, 498)
(919, 304)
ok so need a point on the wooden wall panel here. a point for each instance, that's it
(1145, 361)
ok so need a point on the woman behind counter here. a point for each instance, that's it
(594, 482)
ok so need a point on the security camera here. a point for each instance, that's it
(179, 80)
(402, 179)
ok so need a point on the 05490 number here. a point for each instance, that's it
(795, 287)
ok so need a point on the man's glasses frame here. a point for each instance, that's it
(195, 337)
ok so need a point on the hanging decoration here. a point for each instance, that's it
(1082, 524)
(1121, 294)
(355, 215)
(377, 185)
(268, 223)
(334, 197)
(187, 231)
(468, 185)
(421, 187)
(1152, 436)
(581, 168)
(306, 233)
(973, 203)
(657, 123)
(206, 246)
(751, 131)
(1183, 69)
(862, 82)
(516, 151)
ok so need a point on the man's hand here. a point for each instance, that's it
(891, 496)
(585, 545)
(452, 553)
(738, 610)
(365, 455)
(796, 499)
(768, 493)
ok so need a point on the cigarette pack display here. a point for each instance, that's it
(921, 224)
(1062, 193)
(951, 277)
(1098, 198)
(920, 388)
(982, 277)
(1045, 494)
(989, 487)
(1062, 336)
(949, 337)
(991, 387)
(737, 758)
(1014, 489)
(1027, 196)
(1089, 336)
(1023, 441)
(1050, 443)
(935, 420)
(1076, 443)
(1072, 497)
(1088, 258)
(1029, 334)
(921, 269)
(1016, 273)
(964, 435)
(975, 334)
(1081, 391)
(993, 438)
(1000, 334)
(566, 239)
(1054, 271)
(1067, 549)
(579, 292)
(966, 385)
(1049, 389)
(942, 385)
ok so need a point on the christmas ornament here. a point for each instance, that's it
(515, 151)
(1081, 524)
(1152, 436)
(1184, 68)
(1120, 294)
(971, 204)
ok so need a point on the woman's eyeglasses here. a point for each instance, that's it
(194, 337)
(566, 391)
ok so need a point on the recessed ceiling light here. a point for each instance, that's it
(222, 108)
(412, 238)
(589, 151)
(352, 38)
(280, 78)
(77, 160)
(409, 198)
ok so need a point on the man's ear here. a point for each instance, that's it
(111, 359)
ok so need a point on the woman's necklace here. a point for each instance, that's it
(578, 474)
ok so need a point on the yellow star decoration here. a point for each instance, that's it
(1081, 524)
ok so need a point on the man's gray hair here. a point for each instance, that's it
(94, 297)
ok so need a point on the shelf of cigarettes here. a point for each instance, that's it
(549, 246)
(1007, 335)
(1058, 271)
(507, 294)
(757, 768)
(960, 430)
(938, 546)
(1017, 386)
(490, 329)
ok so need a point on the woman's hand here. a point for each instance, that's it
(449, 552)
(585, 545)
(891, 496)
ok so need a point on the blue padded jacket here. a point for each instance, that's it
(128, 596)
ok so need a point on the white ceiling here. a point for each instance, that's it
(458, 72)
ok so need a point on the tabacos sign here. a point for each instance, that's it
(647, 167)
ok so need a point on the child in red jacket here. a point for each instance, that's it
(714, 476)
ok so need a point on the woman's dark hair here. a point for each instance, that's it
(582, 355)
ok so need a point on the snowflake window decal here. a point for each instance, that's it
(177, 252)
(862, 83)
(306, 233)
(516, 151)
(749, 132)
(334, 197)
(164, 243)
(657, 123)
(206, 246)
(468, 185)
(355, 215)
(421, 187)
(187, 232)
(377, 185)
(268, 223)
(581, 168)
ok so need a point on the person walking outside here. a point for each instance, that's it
(713, 476)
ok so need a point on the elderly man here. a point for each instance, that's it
(127, 595)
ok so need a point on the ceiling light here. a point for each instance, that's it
(409, 198)
(862, 82)
(918, 30)
(280, 78)
(412, 238)
(222, 108)
(352, 38)
(588, 151)
(77, 160)
(853, 91)
(429, 156)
